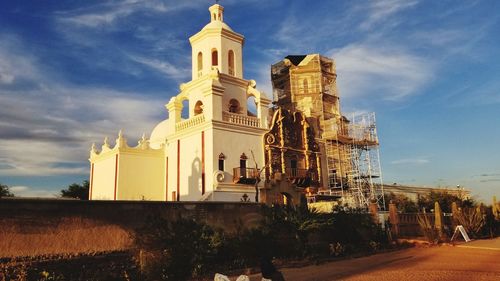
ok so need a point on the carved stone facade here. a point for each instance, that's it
(292, 158)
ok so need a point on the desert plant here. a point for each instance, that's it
(428, 230)
(472, 220)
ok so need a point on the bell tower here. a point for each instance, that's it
(217, 46)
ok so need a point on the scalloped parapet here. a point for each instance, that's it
(122, 146)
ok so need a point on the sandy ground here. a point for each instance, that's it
(477, 260)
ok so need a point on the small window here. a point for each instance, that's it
(200, 64)
(214, 57)
(243, 161)
(306, 87)
(221, 162)
(230, 59)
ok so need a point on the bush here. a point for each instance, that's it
(491, 225)
(185, 249)
(444, 199)
(472, 220)
(301, 233)
(428, 230)
(181, 249)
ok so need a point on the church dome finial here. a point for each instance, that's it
(216, 12)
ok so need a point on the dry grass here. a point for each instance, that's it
(70, 235)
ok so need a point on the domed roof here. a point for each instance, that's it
(217, 25)
(159, 134)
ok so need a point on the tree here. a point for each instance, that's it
(257, 176)
(75, 190)
(444, 199)
(4, 191)
(403, 203)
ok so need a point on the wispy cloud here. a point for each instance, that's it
(163, 67)
(410, 161)
(108, 13)
(490, 180)
(382, 10)
(388, 73)
(49, 130)
(487, 175)
(14, 64)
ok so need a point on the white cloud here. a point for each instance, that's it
(25, 191)
(14, 65)
(163, 67)
(109, 13)
(47, 129)
(382, 10)
(5, 77)
(378, 72)
(48, 143)
(442, 37)
(410, 161)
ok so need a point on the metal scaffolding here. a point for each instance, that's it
(363, 182)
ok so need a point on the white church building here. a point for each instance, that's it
(212, 154)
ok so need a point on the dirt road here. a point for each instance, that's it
(480, 261)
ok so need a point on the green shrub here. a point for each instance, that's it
(185, 249)
(180, 249)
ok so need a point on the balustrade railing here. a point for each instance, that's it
(245, 175)
(240, 119)
(294, 173)
(191, 122)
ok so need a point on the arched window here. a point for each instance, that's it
(214, 57)
(306, 87)
(234, 106)
(243, 165)
(230, 59)
(198, 108)
(222, 157)
(200, 63)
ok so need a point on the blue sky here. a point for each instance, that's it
(73, 72)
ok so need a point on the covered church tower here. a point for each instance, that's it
(210, 146)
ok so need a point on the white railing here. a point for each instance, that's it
(191, 122)
(240, 119)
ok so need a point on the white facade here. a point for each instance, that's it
(181, 160)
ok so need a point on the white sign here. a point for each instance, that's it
(462, 231)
